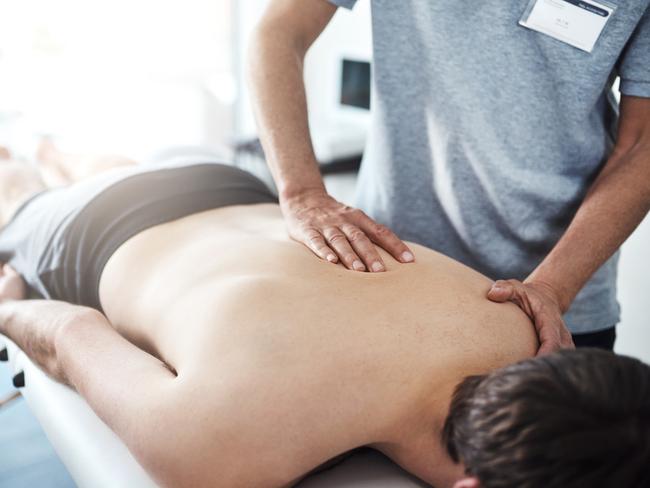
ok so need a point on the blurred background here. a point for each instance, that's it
(131, 78)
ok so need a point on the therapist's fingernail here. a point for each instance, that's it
(358, 265)
(377, 266)
(331, 258)
(407, 257)
(4, 355)
(19, 380)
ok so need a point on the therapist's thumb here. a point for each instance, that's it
(501, 291)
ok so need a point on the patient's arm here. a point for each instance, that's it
(35, 327)
(134, 393)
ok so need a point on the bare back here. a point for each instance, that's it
(292, 360)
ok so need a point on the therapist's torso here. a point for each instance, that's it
(486, 135)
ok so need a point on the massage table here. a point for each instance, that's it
(97, 458)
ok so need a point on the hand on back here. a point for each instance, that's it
(540, 302)
(335, 231)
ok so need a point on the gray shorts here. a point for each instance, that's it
(61, 239)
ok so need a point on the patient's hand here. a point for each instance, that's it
(12, 285)
(539, 301)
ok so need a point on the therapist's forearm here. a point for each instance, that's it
(280, 106)
(617, 202)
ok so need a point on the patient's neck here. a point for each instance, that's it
(415, 441)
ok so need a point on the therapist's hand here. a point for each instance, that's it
(540, 302)
(335, 231)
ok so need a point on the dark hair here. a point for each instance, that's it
(573, 419)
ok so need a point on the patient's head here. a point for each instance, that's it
(572, 419)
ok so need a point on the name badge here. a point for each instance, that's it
(575, 22)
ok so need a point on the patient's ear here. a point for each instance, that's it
(469, 482)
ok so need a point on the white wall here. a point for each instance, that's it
(246, 14)
(117, 76)
(347, 36)
(634, 294)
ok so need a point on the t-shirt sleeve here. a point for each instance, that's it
(344, 3)
(634, 67)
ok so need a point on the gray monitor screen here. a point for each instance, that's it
(355, 84)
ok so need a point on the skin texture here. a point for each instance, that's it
(228, 345)
(616, 203)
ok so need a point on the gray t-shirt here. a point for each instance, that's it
(486, 135)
